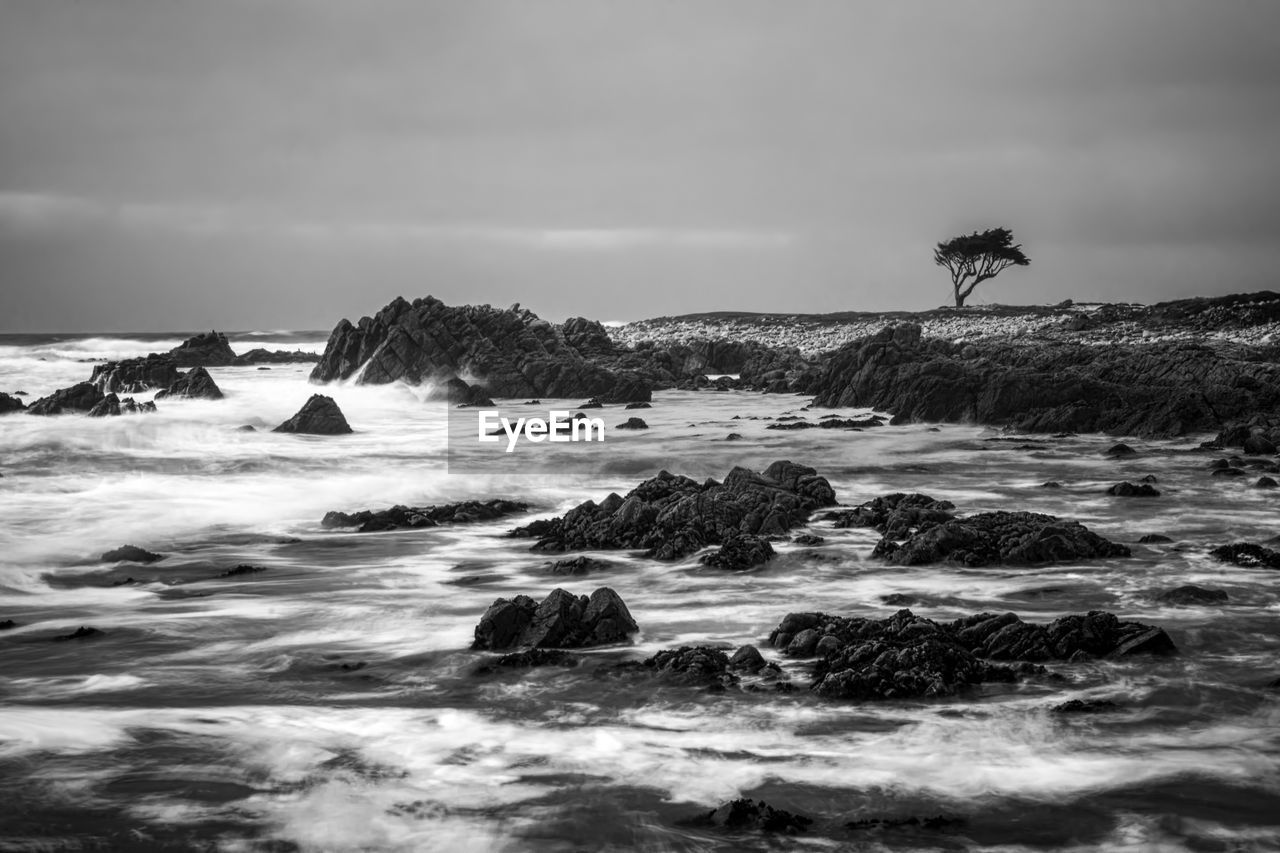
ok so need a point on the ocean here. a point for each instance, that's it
(331, 701)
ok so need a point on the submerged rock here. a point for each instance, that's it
(399, 516)
(130, 554)
(242, 570)
(632, 423)
(671, 516)
(748, 815)
(1191, 594)
(1132, 490)
(1017, 538)
(84, 632)
(909, 656)
(561, 620)
(1084, 706)
(320, 415)
(1247, 554)
(576, 566)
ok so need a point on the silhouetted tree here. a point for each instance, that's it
(974, 258)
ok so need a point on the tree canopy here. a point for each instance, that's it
(973, 258)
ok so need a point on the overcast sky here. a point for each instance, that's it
(259, 164)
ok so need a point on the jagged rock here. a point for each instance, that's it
(527, 659)
(1018, 538)
(279, 356)
(1190, 594)
(906, 656)
(1147, 389)
(895, 515)
(130, 554)
(108, 406)
(1131, 490)
(399, 516)
(1247, 554)
(82, 633)
(513, 352)
(561, 620)
(739, 552)
(81, 397)
(733, 436)
(1084, 706)
(204, 350)
(459, 393)
(1257, 435)
(7, 624)
(196, 383)
(10, 404)
(671, 516)
(632, 423)
(133, 375)
(693, 665)
(320, 415)
(748, 815)
(808, 539)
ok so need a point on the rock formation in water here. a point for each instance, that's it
(320, 415)
(986, 538)
(279, 356)
(561, 620)
(135, 375)
(10, 404)
(907, 656)
(671, 516)
(413, 517)
(207, 349)
(1154, 389)
(80, 397)
(131, 554)
(195, 383)
(1247, 554)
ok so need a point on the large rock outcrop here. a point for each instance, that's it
(195, 383)
(10, 403)
(320, 415)
(134, 375)
(415, 517)
(671, 516)
(81, 397)
(207, 349)
(987, 538)
(1152, 389)
(562, 620)
(908, 656)
(511, 353)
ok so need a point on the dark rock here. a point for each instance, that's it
(413, 517)
(1194, 595)
(204, 350)
(195, 383)
(748, 815)
(739, 552)
(130, 554)
(693, 665)
(459, 393)
(512, 352)
(320, 415)
(1120, 449)
(1153, 641)
(108, 406)
(246, 428)
(1154, 537)
(1130, 490)
(81, 633)
(808, 539)
(1051, 484)
(1084, 706)
(1018, 538)
(241, 570)
(899, 599)
(264, 356)
(1247, 554)
(561, 620)
(1229, 472)
(639, 406)
(134, 375)
(632, 423)
(671, 516)
(10, 404)
(7, 624)
(733, 436)
(81, 397)
(896, 515)
(576, 566)
(527, 659)
(1265, 483)
(747, 659)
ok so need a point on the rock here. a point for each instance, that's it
(130, 554)
(638, 406)
(459, 393)
(748, 659)
(899, 599)
(241, 570)
(7, 624)
(1193, 595)
(808, 539)
(576, 566)
(512, 352)
(1247, 554)
(246, 428)
(1265, 483)
(195, 383)
(527, 659)
(320, 415)
(748, 815)
(204, 350)
(733, 436)
(81, 397)
(693, 665)
(264, 356)
(739, 552)
(671, 517)
(1259, 445)
(896, 515)
(108, 406)
(1130, 490)
(10, 404)
(414, 517)
(1051, 484)
(908, 656)
(1084, 706)
(1229, 472)
(1153, 538)
(82, 633)
(632, 423)
(1120, 449)
(134, 375)
(1017, 538)
(561, 620)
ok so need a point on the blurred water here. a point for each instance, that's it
(328, 702)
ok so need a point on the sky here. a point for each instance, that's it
(268, 164)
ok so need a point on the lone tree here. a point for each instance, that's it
(974, 258)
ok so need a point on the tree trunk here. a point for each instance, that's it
(959, 299)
